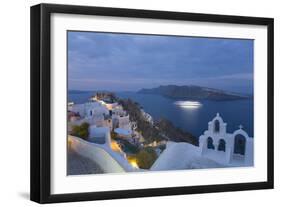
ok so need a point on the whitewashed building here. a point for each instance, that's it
(226, 148)
(124, 122)
(95, 109)
(121, 119)
(99, 135)
(77, 108)
(89, 109)
(94, 113)
(217, 149)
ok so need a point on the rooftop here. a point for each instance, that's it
(124, 132)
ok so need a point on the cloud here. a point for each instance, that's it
(140, 59)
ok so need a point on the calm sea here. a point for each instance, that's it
(193, 120)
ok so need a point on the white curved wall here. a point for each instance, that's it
(109, 161)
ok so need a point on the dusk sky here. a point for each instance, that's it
(126, 62)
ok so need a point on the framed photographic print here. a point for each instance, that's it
(132, 103)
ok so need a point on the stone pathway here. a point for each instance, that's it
(79, 165)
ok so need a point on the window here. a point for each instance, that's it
(210, 144)
(239, 144)
(217, 126)
(221, 146)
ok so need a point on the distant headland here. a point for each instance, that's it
(194, 93)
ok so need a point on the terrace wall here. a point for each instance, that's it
(108, 160)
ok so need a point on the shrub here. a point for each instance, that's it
(146, 157)
(81, 131)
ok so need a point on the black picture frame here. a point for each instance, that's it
(41, 102)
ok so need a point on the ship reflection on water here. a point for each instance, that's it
(188, 104)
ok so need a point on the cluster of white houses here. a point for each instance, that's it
(99, 113)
